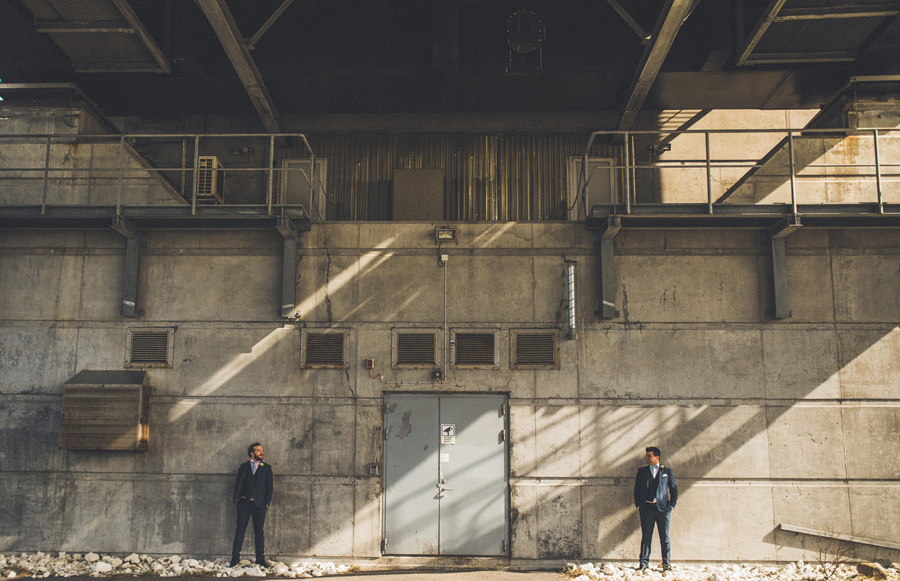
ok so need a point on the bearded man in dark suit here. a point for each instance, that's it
(655, 495)
(252, 494)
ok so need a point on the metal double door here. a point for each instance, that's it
(445, 474)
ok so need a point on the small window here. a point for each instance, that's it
(324, 349)
(534, 349)
(415, 349)
(475, 349)
(149, 348)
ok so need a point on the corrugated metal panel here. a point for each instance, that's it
(486, 177)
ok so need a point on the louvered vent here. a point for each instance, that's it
(535, 350)
(149, 348)
(416, 349)
(210, 180)
(106, 410)
(325, 350)
(475, 349)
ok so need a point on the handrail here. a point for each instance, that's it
(126, 151)
(794, 172)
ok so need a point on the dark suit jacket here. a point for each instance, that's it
(262, 486)
(666, 494)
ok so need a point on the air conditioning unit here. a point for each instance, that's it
(211, 184)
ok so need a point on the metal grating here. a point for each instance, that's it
(325, 349)
(475, 349)
(807, 31)
(149, 347)
(99, 36)
(416, 349)
(535, 350)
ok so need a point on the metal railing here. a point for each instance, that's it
(826, 156)
(17, 161)
(721, 166)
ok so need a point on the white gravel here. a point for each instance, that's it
(40, 565)
(798, 571)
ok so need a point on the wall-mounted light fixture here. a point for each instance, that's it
(444, 234)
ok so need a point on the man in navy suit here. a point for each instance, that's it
(253, 494)
(655, 495)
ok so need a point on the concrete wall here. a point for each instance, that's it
(763, 422)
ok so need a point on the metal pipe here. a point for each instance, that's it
(709, 198)
(120, 175)
(270, 172)
(46, 177)
(793, 177)
(878, 173)
(570, 265)
(196, 179)
(627, 172)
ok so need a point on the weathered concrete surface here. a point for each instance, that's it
(756, 417)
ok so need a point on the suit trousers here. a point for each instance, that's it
(245, 510)
(650, 516)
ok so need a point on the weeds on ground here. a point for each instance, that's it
(831, 554)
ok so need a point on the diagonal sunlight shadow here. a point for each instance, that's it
(241, 361)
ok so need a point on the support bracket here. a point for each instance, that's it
(288, 230)
(607, 289)
(132, 236)
(781, 291)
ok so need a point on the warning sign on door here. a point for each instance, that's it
(448, 433)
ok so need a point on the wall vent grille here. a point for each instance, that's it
(210, 182)
(475, 349)
(325, 350)
(535, 350)
(416, 349)
(149, 348)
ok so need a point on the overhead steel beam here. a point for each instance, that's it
(129, 14)
(629, 20)
(232, 41)
(865, 11)
(673, 15)
(251, 44)
(775, 58)
(761, 27)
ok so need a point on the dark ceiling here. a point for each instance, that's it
(448, 56)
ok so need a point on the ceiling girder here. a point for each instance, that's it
(629, 20)
(673, 15)
(142, 32)
(229, 35)
(251, 44)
